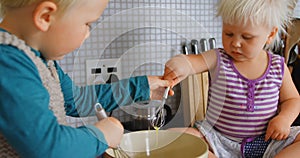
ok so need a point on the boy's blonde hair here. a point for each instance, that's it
(270, 13)
(6, 5)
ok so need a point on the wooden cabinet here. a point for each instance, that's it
(194, 92)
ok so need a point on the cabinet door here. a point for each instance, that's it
(194, 91)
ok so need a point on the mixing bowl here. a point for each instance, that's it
(138, 115)
(162, 143)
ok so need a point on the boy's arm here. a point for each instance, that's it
(28, 124)
(79, 101)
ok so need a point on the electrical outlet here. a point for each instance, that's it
(99, 70)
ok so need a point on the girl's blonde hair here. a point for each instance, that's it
(270, 13)
(6, 5)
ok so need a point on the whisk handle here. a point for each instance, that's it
(100, 112)
(166, 93)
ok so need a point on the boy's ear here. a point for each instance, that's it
(272, 35)
(44, 14)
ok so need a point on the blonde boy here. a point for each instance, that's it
(36, 95)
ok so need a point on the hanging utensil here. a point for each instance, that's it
(204, 45)
(194, 44)
(212, 43)
(185, 49)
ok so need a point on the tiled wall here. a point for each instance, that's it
(144, 34)
(297, 10)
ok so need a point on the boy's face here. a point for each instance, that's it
(244, 43)
(70, 30)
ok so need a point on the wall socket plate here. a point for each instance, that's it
(98, 71)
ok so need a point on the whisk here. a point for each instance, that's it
(158, 119)
(101, 114)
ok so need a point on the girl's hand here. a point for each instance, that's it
(112, 130)
(278, 129)
(178, 68)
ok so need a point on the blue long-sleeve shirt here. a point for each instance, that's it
(32, 129)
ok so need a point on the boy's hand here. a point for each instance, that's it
(278, 129)
(158, 86)
(112, 130)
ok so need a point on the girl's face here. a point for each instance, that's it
(70, 30)
(245, 43)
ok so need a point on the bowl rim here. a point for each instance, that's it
(110, 152)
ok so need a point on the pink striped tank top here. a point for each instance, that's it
(241, 108)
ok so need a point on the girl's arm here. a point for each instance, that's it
(181, 66)
(289, 102)
(289, 98)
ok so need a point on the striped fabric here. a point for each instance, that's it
(241, 108)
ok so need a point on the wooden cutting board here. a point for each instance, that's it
(194, 92)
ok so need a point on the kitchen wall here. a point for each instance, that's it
(154, 29)
(142, 35)
(297, 10)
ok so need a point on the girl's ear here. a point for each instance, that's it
(43, 15)
(272, 35)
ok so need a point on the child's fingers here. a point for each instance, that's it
(168, 74)
(171, 92)
(171, 76)
(112, 130)
(268, 134)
